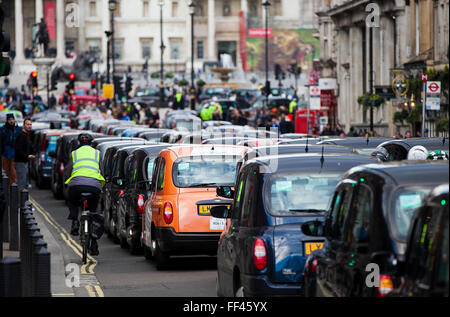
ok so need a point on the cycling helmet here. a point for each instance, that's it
(381, 154)
(85, 139)
(418, 152)
(438, 155)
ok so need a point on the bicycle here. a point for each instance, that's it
(85, 225)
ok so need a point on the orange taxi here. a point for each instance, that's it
(173, 223)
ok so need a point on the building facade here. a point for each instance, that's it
(410, 36)
(80, 25)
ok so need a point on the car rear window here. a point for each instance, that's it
(291, 194)
(202, 172)
(404, 203)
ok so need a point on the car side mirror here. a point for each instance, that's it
(221, 212)
(225, 192)
(52, 154)
(313, 228)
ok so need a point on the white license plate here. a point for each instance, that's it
(217, 224)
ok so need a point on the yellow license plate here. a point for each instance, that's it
(205, 210)
(312, 246)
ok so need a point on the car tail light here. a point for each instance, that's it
(259, 254)
(42, 158)
(313, 265)
(386, 286)
(168, 213)
(120, 194)
(140, 204)
(61, 168)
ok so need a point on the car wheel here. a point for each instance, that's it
(162, 259)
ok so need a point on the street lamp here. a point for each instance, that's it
(112, 5)
(192, 13)
(162, 47)
(266, 4)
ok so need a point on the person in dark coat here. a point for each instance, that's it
(24, 151)
(8, 135)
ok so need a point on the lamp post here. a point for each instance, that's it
(192, 13)
(112, 7)
(266, 4)
(162, 47)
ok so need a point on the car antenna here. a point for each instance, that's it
(367, 141)
(306, 148)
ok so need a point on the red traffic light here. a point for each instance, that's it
(72, 76)
(34, 74)
(93, 82)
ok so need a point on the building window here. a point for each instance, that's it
(200, 50)
(175, 45)
(226, 10)
(199, 10)
(277, 10)
(94, 45)
(118, 49)
(93, 8)
(146, 45)
(174, 8)
(145, 8)
(253, 8)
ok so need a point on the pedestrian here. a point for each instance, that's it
(23, 152)
(8, 134)
(327, 130)
(408, 135)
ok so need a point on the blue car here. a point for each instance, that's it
(263, 250)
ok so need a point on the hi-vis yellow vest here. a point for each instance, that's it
(86, 164)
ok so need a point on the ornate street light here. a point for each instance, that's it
(162, 47)
(266, 4)
(192, 13)
(112, 5)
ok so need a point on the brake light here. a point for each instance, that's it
(120, 194)
(61, 168)
(313, 265)
(386, 286)
(140, 204)
(42, 158)
(259, 254)
(168, 213)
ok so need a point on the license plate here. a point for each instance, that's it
(217, 224)
(205, 210)
(312, 246)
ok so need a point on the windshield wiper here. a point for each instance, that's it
(203, 185)
(308, 210)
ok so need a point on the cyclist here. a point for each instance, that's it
(85, 177)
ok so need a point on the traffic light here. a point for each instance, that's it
(267, 90)
(5, 42)
(71, 85)
(34, 80)
(278, 71)
(54, 82)
(93, 84)
(128, 84)
(118, 86)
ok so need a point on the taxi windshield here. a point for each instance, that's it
(291, 194)
(204, 172)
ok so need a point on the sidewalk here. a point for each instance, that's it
(57, 267)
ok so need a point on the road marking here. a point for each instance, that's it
(86, 269)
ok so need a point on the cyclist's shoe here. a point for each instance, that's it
(93, 250)
(75, 230)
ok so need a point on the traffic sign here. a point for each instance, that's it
(314, 91)
(108, 90)
(433, 87)
(424, 78)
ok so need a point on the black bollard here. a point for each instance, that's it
(23, 198)
(32, 234)
(5, 187)
(10, 274)
(25, 217)
(40, 270)
(14, 218)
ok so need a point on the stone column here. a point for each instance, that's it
(105, 27)
(39, 10)
(18, 20)
(211, 31)
(60, 24)
(81, 29)
(244, 7)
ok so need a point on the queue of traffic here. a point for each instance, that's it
(289, 215)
